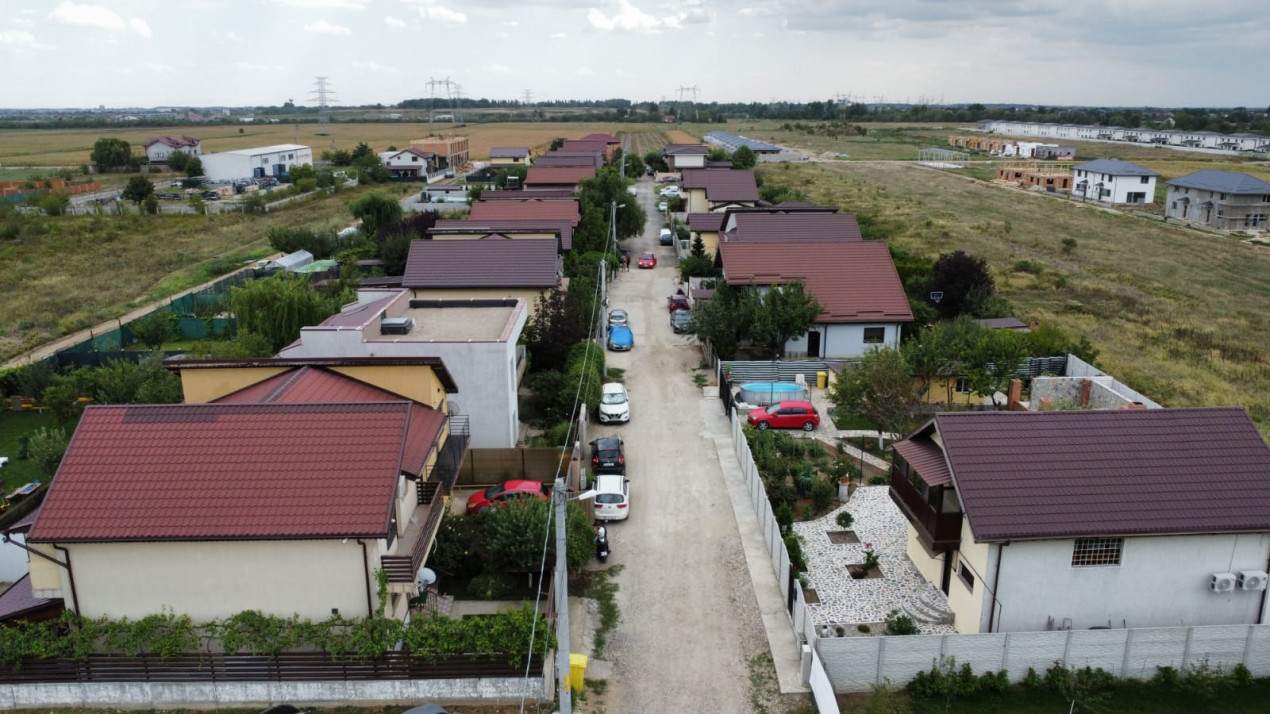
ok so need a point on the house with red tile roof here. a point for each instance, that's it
(562, 159)
(716, 190)
(559, 231)
(159, 148)
(1117, 518)
(609, 150)
(529, 208)
(280, 486)
(554, 177)
(862, 300)
(496, 266)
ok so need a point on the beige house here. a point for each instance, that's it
(717, 190)
(1226, 200)
(509, 156)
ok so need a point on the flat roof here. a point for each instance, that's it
(267, 149)
(451, 320)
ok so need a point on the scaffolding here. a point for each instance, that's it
(942, 158)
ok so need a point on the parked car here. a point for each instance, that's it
(618, 317)
(785, 415)
(615, 405)
(671, 191)
(663, 206)
(607, 456)
(647, 259)
(649, 170)
(210, 195)
(680, 321)
(669, 178)
(612, 497)
(678, 301)
(505, 492)
(666, 237)
(621, 338)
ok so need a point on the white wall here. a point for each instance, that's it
(231, 166)
(1161, 581)
(13, 560)
(1119, 187)
(845, 341)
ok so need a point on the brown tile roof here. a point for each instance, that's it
(508, 227)
(722, 184)
(485, 263)
(854, 281)
(590, 158)
(926, 458)
(606, 138)
(551, 209)
(793, 227)
(360, 314)
(175, 142)
(706, 221)
(1108, 472)
(556, 176)
(584, 145)
(20, 600)
(227, 471)
(517, 195)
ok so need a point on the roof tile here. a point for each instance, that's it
(482, 263)
(722, 184)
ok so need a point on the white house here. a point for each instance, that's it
(159, 148)
(862, 300)
(264, 161)
(409, 162)
(1137, 517)
(476, 338)
(1113, 181)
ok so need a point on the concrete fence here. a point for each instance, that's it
(855, 664)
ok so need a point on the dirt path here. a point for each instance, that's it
(690, 625)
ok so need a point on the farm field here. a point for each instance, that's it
(44, 148)
(1176, 314)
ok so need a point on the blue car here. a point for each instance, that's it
(620, 338)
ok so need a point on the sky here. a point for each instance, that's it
(144, 53)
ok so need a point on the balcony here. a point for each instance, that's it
(413, 545)
(939, 532)
(438, 479)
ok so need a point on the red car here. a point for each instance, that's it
(647, 259)
(786, 415)
(505, 492)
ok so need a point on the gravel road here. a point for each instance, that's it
(690, 623)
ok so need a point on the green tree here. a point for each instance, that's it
(501, 176)
(156, 384)
(392, 242)
(721, 320)
(779, 314)
(965, 281)
(362, 149)
(375, 210)
(194, 167)
(586, 370)
(510, 541)
(61, 396)
(150, 205)
(557, 325)
(655, 159)
(992, 359)
(744, 158)
(601, 192)
(138, 189)
(111, 153)
(115, 382)
(55, 203)
(934, 352)
(880, 389)
(299, 172)
(178, 160)
(556, 143)
(153, 329)
(47, 446)
(371, 169)
(340, 157)
(277, 307)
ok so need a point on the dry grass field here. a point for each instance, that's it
(1177, 314)
(22, 148)
(677, 136)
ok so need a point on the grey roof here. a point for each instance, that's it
(1222, 182)
(492, 262)
(1115, 167)
(508, 152)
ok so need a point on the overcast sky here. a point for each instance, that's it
(254, 52)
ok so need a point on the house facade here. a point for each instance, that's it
(509, 156)
(452, 152)
(716, 190)
(494, 267)
(685, 156)
(1113, 181)
(409, 163)
(159, 148)
(1226, 200)
(1033, 521)
(275, 161)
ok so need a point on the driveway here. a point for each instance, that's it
(690, 622)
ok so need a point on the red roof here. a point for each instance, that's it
(1083, 473)
(176, 142)
(514, 195)
(722, 184)
(583, 145)
(706, 221)
(854, 281)
(558, 176)
(485, 263)
(793, 227)
(551, 209)
(571, 158)
(508, 227)
(227, 471)
(926, 458)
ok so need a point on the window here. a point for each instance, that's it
(1096, 551)
(874, 335)
(1146, 179)
(963, 386)
(966, 576)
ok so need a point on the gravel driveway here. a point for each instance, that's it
(690, 623)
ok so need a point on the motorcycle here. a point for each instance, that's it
(601, 543)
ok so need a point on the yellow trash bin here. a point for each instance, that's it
(577, 671)
(822, 380)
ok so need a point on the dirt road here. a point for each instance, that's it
(690, 624)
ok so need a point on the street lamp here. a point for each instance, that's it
(560, 498)
(613, 223)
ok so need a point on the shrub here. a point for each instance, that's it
(493, 586)
(1032, 680)
(845, 519)
(1241, 675)
(794, 544)
(863, 628)
(784, 515)
(897, 624)
(879, 480)
(1069, 244)
(804, 478)
(822, 494)
(1165, 677)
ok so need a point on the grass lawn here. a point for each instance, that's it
(14, 425)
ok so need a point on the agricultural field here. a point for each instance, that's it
(59, 148)
(1177, 314)
(676, 136)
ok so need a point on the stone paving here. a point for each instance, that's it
(844, 600)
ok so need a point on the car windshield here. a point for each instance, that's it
(617, 316)
(613, 398)
(493, 491)
(609, 498)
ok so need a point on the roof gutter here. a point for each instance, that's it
(370, 607)
(4, 537)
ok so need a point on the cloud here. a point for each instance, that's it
(511, 23)
(498, 69)
(20, 39)
(252, 67)
(139, 26)
(158, 68)
(631, 19)
(323, 4)
(232, 36)
(68, 13)
(322, 27)
(22, 21)
(559, 36)
(584, 72)
(373, 67)
(442, 14)
(394, 22)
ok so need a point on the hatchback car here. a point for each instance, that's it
(681, 321)
(647, 259)
(666, 237)
(663, 206)
(786, 415)
(621, 338)
(505, 492)
(671, 191)
(607, 456)
(615, 404)
(612, 497)
(618, 317)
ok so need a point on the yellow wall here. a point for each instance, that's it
(931, 568)
(506, 161)
(204, 385)
(415, 382)
(697, 202)
(47, 576)
(967, 605)
(529, 295)
(710, 239)
(939, 390)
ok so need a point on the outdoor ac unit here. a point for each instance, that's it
(1222, 582)
(1252, 579)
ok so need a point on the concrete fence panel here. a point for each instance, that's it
(1038, 650)
(982, 652)
(1220, 645)
(851, 662)
(903, 657)
(1097, 649)
(1258, 657)
(1155, 647)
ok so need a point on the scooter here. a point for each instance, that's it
(601, 543)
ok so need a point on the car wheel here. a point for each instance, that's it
(762, 426)
(809, 426)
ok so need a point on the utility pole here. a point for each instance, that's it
(560, 494)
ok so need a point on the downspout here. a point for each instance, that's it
(4, 538)
(1261, 615)
(996, 580)
(370, 607)
(70, 574)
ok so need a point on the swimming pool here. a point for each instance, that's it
(765, 393)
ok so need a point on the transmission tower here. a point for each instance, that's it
(685, 91)
(323, 95)
(456, 102)
(449, 92)
(529, 104)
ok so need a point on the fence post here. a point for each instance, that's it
(1124, 665)
(1186, 652)
(1067, 647)
(1247, 644)
(877, 670)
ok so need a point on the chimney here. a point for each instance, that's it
(1016, 394)
(1085, 386)
(1132, 406)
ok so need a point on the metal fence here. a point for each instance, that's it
(773, 370)
(490, 466)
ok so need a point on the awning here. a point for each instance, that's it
(926, 459)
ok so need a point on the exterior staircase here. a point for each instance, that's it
(929, 606)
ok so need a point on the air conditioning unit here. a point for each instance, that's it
(396, 326)
(1253, 579)
(1222, 582)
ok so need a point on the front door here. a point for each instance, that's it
(813, 344)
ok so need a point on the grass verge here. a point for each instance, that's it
(599, 586)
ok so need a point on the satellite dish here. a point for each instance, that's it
(426, 577)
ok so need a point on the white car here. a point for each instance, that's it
(615, 405)
(612, 497)
(671, 191)
(663, 206)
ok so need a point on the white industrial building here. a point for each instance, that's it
(274, 161)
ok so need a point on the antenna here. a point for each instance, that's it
(323, 95)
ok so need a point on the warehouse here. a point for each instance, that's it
(273, 161)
